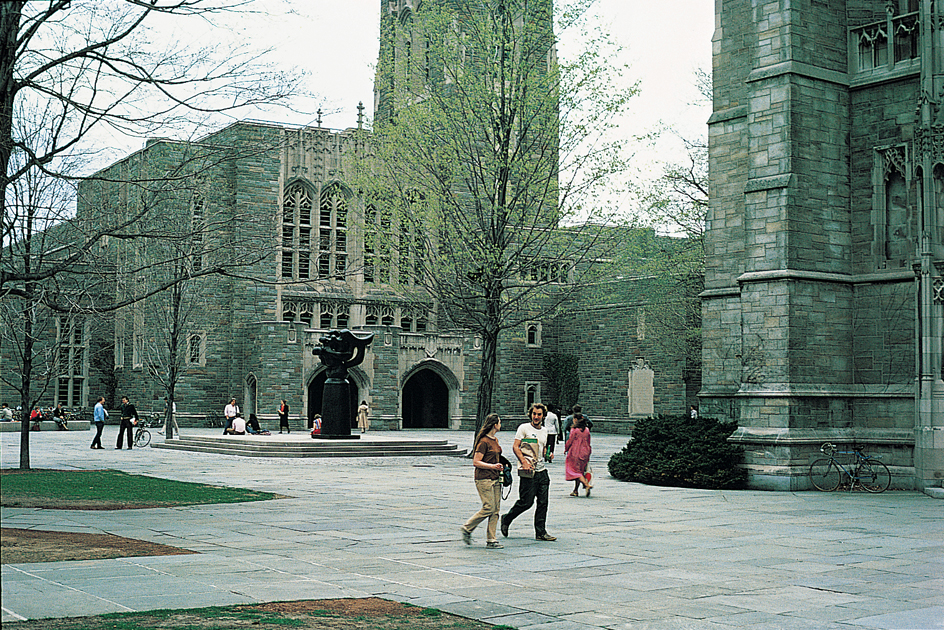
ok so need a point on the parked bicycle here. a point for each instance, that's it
(827, 473)
(142, 437)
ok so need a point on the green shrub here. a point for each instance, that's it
(681, 451)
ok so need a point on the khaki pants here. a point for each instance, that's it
(490, 493)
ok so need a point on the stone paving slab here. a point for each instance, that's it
(632, 556)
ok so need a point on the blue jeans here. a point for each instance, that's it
(529, 489)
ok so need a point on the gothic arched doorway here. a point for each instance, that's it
(425, 401)
(316, 394)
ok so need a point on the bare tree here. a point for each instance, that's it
(492, 158)
(67, 70)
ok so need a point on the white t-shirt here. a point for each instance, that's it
(552, 422)
(231, 411)
(532, 444)
(239, 425)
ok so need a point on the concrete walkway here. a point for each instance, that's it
(632, 556)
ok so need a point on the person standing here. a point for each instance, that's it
(7, 414)
(173, 418)
(534, 482)
(230, 411)
(129, 418)
(283, 417)
(488, 468)
(363, 417)
(99, 413)
(578, 455)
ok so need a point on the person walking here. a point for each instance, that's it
(230, 411)
(129, 418)
(578, 455)
(553, 424)
(534, 482)
(569, 421)
(283, 417)
(363, 417)
(99, 414)
(487, 462)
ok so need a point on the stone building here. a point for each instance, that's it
(278, 208)
(283, 203)
(823, 304)
(252, 339)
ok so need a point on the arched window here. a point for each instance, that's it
(332, 232)
(533, 333)
(296, 233)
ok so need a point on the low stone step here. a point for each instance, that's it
(258, 446)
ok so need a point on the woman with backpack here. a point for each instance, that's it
(488, 481)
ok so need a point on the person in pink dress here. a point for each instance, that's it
(578, 455)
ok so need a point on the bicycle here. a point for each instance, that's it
(142, 437)
(826, 473)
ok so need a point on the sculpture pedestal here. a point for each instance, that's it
(336, 411)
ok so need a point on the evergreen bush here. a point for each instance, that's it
(681, 451)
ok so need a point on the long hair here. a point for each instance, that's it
(490, 421)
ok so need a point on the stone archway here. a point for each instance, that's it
(425, 401)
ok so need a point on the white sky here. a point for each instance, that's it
(336, 41)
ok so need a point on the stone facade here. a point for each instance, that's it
(824, 209)
(256, 336)
(284, 202)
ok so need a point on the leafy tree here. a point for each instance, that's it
(70, 70)
(493, 157)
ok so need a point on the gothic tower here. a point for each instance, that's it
(823, 310)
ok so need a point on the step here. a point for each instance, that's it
(257, 446)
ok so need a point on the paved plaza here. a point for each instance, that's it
(632, 556)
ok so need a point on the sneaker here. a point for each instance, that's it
(494, 545)
(466, 537)
(504, 527)
(546, 537)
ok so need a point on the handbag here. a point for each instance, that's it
(505, 475)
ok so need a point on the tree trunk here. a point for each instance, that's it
(25, 379)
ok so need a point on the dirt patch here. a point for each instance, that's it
(31, 545)
(371, 613)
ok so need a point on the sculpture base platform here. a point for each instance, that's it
(319, 436)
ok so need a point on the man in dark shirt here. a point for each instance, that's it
(129, 418)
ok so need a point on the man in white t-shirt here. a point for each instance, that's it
(534, 482)
(230, 411)
(239, 426)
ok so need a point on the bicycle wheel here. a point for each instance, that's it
(874, 476)
(825, 475)
(143, 438)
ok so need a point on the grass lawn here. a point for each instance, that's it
(110, 489)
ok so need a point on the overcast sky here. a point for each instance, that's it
(336, 41)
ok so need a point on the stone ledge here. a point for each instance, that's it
(935, 493)
(45, 425)
(773, 182)
(799, 437)
(801, 69)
